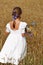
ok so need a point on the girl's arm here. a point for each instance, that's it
(6, 32)
(27, 31)
(7, 29)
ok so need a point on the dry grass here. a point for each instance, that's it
(32, 11)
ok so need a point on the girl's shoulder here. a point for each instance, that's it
(9, 24)
(23, 24)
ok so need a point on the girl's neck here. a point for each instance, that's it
(17, 21)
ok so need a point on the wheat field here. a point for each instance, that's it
(32, 11)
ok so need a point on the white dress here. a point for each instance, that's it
(15, 46)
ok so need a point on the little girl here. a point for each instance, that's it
(15, 47)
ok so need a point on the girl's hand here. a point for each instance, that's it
(23, 34)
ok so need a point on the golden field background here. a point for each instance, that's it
(32, 11)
